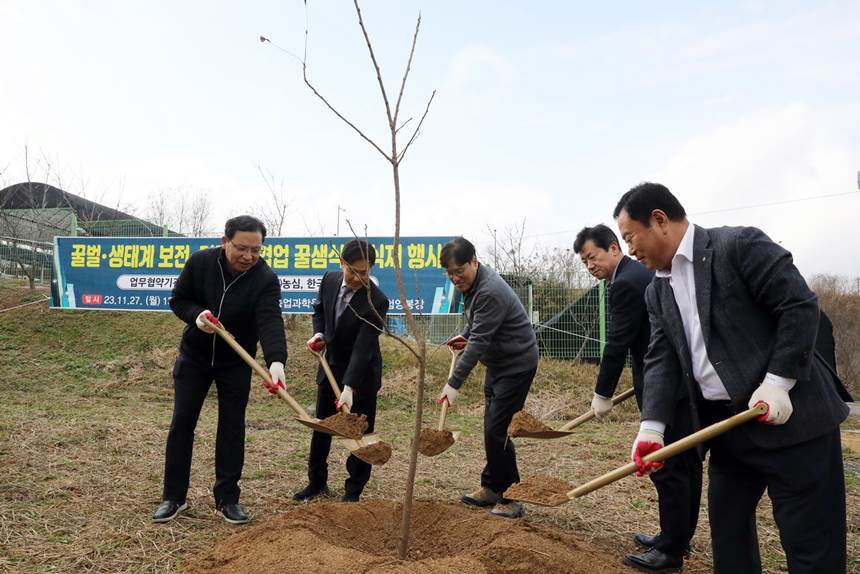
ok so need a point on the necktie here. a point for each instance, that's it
(341, 303)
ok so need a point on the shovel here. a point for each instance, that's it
(369, 447)
(301, 415)
(549, 491)
(438, 440)
(567, 429)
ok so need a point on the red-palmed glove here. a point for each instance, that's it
(778, 403)
(273, 387)
(316, 343)
(210, 317)
(647, 441)
(457, 343)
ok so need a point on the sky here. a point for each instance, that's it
(544, 114)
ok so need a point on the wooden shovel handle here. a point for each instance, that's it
(671, 450)
(454, 355)
(590, 414)
(330, 376)
(260, 370)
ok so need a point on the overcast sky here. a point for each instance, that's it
(545, 111)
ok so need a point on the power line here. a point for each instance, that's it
(724, 210)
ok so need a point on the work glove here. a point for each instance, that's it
(449, 394)
(778, 403)
(276, 371)
(345, 399)
(316, 343)
(212, 319)
(457, 343)
(601, 406)
(647, 441)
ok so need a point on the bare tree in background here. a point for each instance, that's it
(274, 212)
(394, 158)
(180, 210)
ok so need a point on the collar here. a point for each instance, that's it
(685, 250)
(478, 275)
(617, 267)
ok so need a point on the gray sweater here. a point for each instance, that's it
(499, 332)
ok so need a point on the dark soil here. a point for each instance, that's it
(376, 453)
(522, 421)
(348, 425)
(433, 441)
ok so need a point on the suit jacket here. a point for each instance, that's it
(352, 345)
(629, 329)
(757, 316)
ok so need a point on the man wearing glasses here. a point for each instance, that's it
(230, 284)
(500, 335)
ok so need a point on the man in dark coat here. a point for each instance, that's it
(679, 482)
(230, 284)
(347, 323)
(733, 322)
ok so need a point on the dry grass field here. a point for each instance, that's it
(85, 403)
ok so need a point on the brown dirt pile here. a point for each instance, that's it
(348, 425)
(341, 538)
(540, 489)
(433, 441)
(376, 453)
(522, 421)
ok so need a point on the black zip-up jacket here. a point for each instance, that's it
(247, 304)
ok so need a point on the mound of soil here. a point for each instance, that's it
(348, 425)
(376, 453)
(340, 538)
(540, 489)
(432, 441)
(522, 421)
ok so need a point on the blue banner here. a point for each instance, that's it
(137, 273)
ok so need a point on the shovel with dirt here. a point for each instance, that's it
(544, 490)
(525, 425)
(436, 441)
(301, 415)
(367, 447)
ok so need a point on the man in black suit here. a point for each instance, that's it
(679, 482)
(347, 323)
(733, 322)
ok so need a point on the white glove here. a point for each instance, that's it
(779, 407)
(200, 324)
(449, 394)
(601, 406)
(276, 370)
(345, 398)
(647, 441)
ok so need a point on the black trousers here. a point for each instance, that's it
(679, 488)
(503, 396)
(806, 485)
(358, 470)
(191, 382)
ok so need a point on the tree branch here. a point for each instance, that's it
(417, 128)
(408, 68)
(389, 117)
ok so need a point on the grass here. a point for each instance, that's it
(86, 401)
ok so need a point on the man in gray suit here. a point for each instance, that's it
(734, 322)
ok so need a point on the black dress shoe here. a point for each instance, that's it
(168, 510)
(233, 513)
(349, 497)
(310, 492)
(653, 560)
(647, 542)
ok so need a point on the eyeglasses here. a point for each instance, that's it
(457, 271)
(245, 250)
